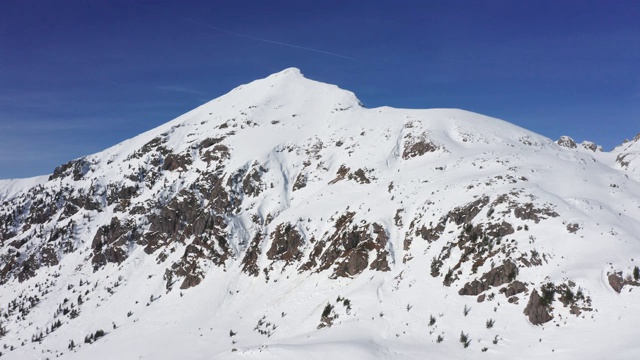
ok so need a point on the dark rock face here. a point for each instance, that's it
(110, 243)
(591, 146)
(529, 212)
(617, 282)
(516, 287)
(301, 182)
(285, 245)
(431, 234)
(218, 153)
(622, 160)
(573, 228)
(536, 311)
(497, 276)
(250, 260)
(360, 176)
(417, 146)
(341, 174)
(499, 230)
(252, 183)
(175, 162)
(349, 248)
(208, 142)
(464, 215)
(567, 142)
(76, 168)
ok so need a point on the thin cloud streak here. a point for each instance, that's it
(181, 89)
(255, 38)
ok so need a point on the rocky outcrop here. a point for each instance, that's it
(250, 260)
(567, 142)
(514, 288)
(111, 241)
(301, 182)
(285, 244)
(497, 276)
(176, 162)
(415, 146)
(349, 249)
(340, 174)
(617, 282)
(360, 176)
(528, 211)
(536, 311)
(465, 214)
(76, 168)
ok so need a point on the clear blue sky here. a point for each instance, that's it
(79, 76)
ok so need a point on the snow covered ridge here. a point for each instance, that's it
(284, 219)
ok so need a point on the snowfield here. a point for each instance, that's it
(284, 220)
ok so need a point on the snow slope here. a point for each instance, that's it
(225, 233)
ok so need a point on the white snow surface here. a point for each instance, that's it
(291, 125)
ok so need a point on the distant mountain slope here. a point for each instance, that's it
(284, 219)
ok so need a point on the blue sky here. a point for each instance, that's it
(79, 76)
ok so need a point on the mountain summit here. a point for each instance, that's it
(284, 219)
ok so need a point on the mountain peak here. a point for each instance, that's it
(339, 219)
(290, 72)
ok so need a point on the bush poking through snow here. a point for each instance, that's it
(327, 310)
(548, 294)
(490, 323)
(464, 339)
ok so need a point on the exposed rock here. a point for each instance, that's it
(573, 228)
(536, 311)
(78, 168)
(466, 214)
(341, 174)
(417, 146)
(497, 276)
(217, 154)
(250, 260)
(285, 244)
(301, 182)
(208, 142)
(622, 160)
(252, 184)
(431, 234)
(397, 220)
(154, 144)
(617, 282)
(499, 230)
(591, 146)
(349, 247)
(514, 288)
(567, 142)
(528, 211)
(110, 243)
(175, 162)
(360, 176)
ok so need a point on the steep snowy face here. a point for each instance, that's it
(290, 192)
(628, 157)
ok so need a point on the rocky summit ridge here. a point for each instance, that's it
(286, 219)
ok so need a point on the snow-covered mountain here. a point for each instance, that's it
(284, 219)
